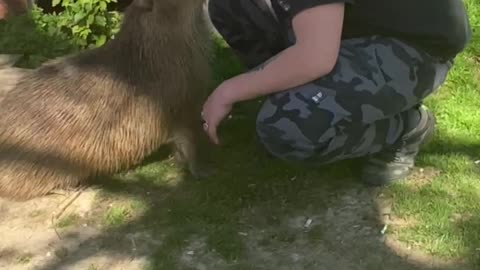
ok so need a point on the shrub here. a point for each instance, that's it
(38, 36)
(86, 23)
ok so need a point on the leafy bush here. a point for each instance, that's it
(87, 23)
(22, 36)
(38, 36)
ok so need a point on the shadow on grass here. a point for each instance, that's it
(447, 151)
(471, 229)
(251, 215)
(470, 150)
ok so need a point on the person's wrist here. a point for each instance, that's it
(240, 88)
(228, 91)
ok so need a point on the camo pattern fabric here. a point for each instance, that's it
(356, 110)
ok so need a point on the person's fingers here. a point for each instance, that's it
(212, 132)
(208, 130)
(211, 122)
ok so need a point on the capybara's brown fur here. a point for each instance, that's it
(14, 7)
(105, 110)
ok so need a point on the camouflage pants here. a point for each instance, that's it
(356, 110)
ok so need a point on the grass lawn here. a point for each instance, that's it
(260, 213)
(445, 209)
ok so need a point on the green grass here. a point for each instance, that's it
(447, 209)
(116, 216)
(68, 220)
(24, 258)
(92, 267)
(252, 192)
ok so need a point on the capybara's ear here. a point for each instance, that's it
(145, 4)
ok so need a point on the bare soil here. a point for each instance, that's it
(342, 236)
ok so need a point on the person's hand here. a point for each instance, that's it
(216, 108)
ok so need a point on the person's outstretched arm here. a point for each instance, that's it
(318, 33)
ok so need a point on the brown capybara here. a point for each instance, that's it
(105, 110)
(14, 7)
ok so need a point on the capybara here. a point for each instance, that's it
(14, 7)
(3, 10)
(104, 110)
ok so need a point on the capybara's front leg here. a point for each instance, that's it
(191, 151)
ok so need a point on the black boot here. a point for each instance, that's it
(395, 162)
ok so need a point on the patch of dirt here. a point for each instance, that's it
(29, 228)
(397, 222)
(348, 234)
(461, 218)
(476, 59)
(197, 256)
(421, 177)
(422, 259)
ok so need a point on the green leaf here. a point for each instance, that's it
(84, 33)
(55, 2)
(76, 29)
(78, 17)
(103, 5)
(101, 40)
(90, 19)
(99, 20)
